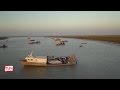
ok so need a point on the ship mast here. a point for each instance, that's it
(31, 53)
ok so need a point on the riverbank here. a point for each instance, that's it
(2, 38)
(107, 38)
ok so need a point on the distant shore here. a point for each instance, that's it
(107, 38)
(2, 38)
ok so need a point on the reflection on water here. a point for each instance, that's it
(52, 72)
(95, 59)
(33, 72)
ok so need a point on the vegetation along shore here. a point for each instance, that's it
(107, 38)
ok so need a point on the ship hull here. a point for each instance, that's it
(44, 65)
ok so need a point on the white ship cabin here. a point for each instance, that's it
(36, 59)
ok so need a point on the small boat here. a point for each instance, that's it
(35, 42)
(32, 40)
(3, 46)
(80, 46)
(29, 38)
(60, 43)
(31, 60)
(57, 39)
(63, 40)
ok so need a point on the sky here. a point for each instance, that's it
(42, 23)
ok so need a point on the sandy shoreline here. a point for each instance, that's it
(107, 38)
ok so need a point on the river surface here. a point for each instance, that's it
(96, 60)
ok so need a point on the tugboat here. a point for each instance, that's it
(3, 46)
(48, 60)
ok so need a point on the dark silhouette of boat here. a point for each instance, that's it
(3, 46)
(35, 42)
(80, 46)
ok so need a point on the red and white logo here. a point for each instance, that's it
(8, 68)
